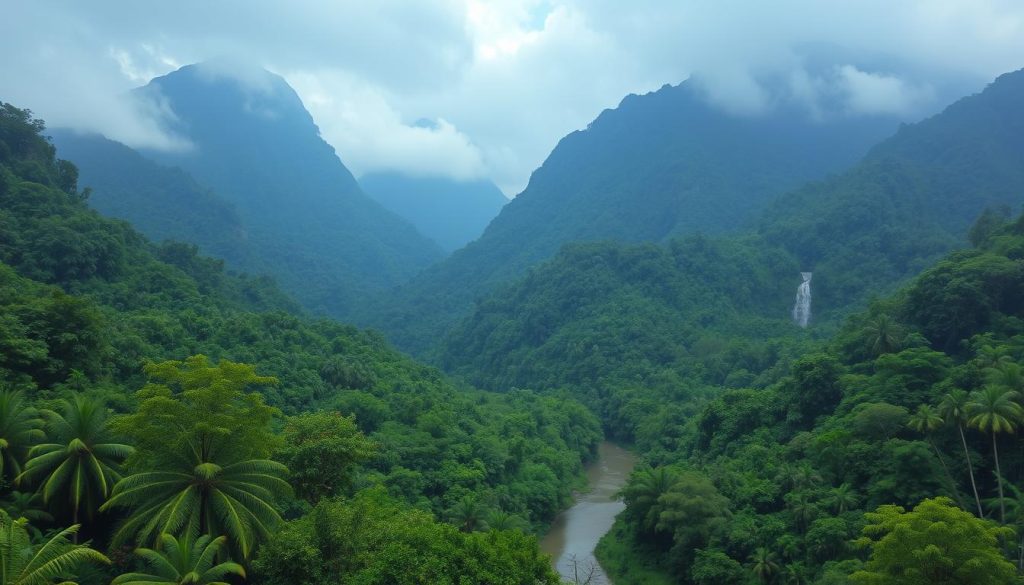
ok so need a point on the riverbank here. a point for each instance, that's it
(574, 534)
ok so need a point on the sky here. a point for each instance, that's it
(485, 89)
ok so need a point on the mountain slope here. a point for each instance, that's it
(161, 202)
(452, 213)
(607, 321)
(659, 165)
(309, 223)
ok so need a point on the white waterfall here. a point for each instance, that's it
(802, 308)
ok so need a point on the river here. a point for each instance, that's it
(575, 532)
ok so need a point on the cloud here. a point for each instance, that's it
(370, 135)
(869, 93)
(505, 79)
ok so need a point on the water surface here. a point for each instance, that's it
(575, 532)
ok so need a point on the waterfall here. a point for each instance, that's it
(802, 308)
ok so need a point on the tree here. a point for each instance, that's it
(200, 464)
(80, 460)
(993, 410)
(692, 512)
(884, 335)
(925, 421)
(20, 428)
(207, 492)
(321, 449)
(954, 407)
(763, 565)
(468, 514)
(842, 498)
(183, 562)
(936, 542)
(642, 494)
(23, 563)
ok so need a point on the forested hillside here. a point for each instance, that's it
(659, 165)
(306, 219)
(134, 364)
(164, 203)
(915, 403)
(861, 232)
(450, 212)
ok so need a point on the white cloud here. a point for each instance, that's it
(370, 135)
(869, 93)
(508, 78)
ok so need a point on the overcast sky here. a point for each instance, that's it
(500, 81)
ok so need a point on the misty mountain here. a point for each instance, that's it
(659, 165)
(161, 202)
(308, 222)
(611, 320)
(450, 212)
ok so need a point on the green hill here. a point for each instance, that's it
(306, 220)
(659, 165)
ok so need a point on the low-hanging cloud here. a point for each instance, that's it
(505, 79)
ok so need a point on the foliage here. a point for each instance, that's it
(371, 539)
(56, 557)
(321, 451)
(80, 465)
(183, 561)
(936, 542)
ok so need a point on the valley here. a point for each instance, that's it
(294, 327)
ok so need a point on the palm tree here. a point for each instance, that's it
(22, 563)
(80, 461)
(954, 408)
(468, 514)
(202, 490)
(20, 427)
(884, 335)
(804, 511)
(763, 565)
(183, 562)
(842, 498)
(26, 505)
(925, 421)
(643, 491)
(501, 520)
(993, 410)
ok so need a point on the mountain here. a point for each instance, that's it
(164, 203)
(307, 221)
(658, 165)
(91, 309)
(450, 212)
(911, 199)
(615, 323)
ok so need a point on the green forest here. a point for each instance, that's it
(168, 418)
(167, 421)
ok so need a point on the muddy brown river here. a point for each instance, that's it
(575, 532)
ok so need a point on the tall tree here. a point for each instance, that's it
(953, 407)
(183, 562)
(80, 462)
(201, 465)
(764, 565)
(926, 421)
(993, 410)
(643, 492)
